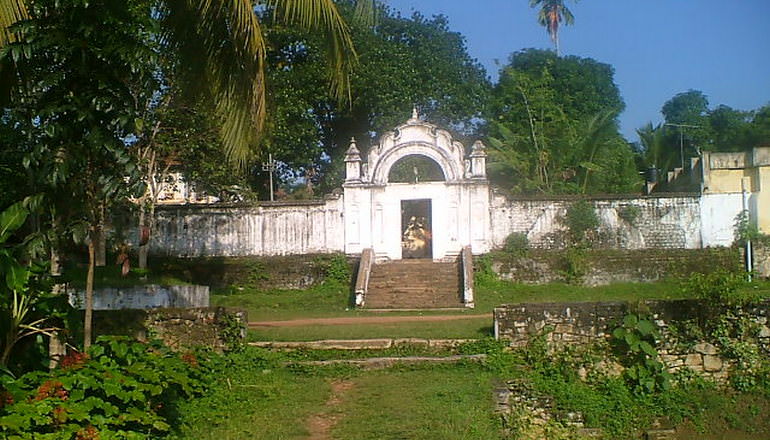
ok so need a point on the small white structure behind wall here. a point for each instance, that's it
(459, 204)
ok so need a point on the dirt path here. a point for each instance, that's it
(320, 425)
(365, 320)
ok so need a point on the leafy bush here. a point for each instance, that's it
(575, 260)
(629, 213)
(120, 390)
(746, 229)
(720, 288)
(581, 218)
(516, 244)
(635, 341)
(483, 274)
(336, 269)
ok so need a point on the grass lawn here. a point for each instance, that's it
(452, 402)
(272, 402)
(255, 404)
(110, 276)
(263, 395)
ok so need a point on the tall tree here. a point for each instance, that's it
(77, 105)
(220, 45)
(553, 127)
(551, 15)
(403, 62)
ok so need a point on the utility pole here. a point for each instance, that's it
(269, 166)
(681, 138)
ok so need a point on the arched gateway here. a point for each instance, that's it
(415, 216)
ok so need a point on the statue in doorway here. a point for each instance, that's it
(416, 239)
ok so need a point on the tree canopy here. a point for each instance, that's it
(403, 62)
(553, 127)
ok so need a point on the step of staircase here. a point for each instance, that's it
(414, 284)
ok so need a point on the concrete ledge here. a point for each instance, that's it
(360, 344)
(385, 362)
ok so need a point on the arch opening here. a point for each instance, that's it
(416, 168)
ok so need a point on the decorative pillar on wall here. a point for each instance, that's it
(353, 163)
(478, 161)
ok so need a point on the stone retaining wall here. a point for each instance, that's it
(177, 328)
(583, 323)
(605, 266)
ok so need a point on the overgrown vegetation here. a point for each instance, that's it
(635, 342)
(119, 389)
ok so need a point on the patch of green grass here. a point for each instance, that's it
(460, 329)
(436, 402)
(255, 398)
(325, 300)
(491, 294)
(110, 276)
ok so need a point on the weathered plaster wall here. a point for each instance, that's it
(660, 222)
(144, 297)
(269, 229)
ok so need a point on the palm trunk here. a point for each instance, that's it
(87, 324)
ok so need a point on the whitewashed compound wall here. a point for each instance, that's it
(658, 221)
(674, 222)
(270, 229)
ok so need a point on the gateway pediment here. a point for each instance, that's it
(415, 138)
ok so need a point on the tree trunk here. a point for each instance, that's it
(143, 248)
(87, 324)
(56, 348)
(101, 241)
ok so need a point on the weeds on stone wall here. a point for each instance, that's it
(635, 342)
(581, 220)
(335, 268)
(629, 214)
(516, 244)
(575, 264)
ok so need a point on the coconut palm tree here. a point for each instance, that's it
(552, 14)
(221, 46)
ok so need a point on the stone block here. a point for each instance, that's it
(661, 434)
(411, 341)
(705, 348)
(693, 360)
(764, 332)
(712, 363)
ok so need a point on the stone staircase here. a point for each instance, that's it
(414, 284)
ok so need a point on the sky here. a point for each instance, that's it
(658, 47)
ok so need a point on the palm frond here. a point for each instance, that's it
(221, 41)
(11, 11)
(366, 12)
(323, 15)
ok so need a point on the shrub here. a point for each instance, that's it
(635, 340)
(516, 244)
(581, 218)
(719, 288)
(575, 264)
(122, 389)
(629, 213)
(336, 269)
